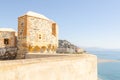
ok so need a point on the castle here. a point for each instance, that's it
(36, 33)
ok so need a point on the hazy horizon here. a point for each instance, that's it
(88, 23)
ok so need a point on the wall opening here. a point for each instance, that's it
(54, 29)
(36, 49)
(43, 49)
(6, 41)
(39, 36)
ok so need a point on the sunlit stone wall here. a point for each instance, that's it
(36, 33)
(55, 67)
(7, 38)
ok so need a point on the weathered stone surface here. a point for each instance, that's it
(51, 67)
(9, 34)
(8, 53)
(8, 49)
(36, 33)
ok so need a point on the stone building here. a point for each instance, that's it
(8, 48)
(7, 37)
(36, 33)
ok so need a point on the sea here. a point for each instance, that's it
(108, 70)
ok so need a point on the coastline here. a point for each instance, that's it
(107, 60)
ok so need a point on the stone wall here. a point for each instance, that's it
(7, 35)
(41, 34)
(8, 53)
(51, 67)
(36, 33)
(22, 36)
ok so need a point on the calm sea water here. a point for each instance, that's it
(109, 70)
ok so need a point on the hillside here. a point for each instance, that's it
(67, 47)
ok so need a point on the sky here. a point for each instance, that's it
(85, 23)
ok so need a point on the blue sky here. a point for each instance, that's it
(86, 23)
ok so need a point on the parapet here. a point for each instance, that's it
(51, 67)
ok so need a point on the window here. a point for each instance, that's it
(22, 24)
(39, 36)
(6, 41)
(54, 29)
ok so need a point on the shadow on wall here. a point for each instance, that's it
(31, 56)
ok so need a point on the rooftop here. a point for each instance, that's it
(31, 13)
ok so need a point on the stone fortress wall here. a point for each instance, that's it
(51, 67)
(36, 33)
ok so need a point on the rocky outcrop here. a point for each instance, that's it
(67, 47)
(8, 53)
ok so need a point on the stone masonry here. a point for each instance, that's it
(8, 49)
(51, 67)
(7, 37)
(36, 33)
